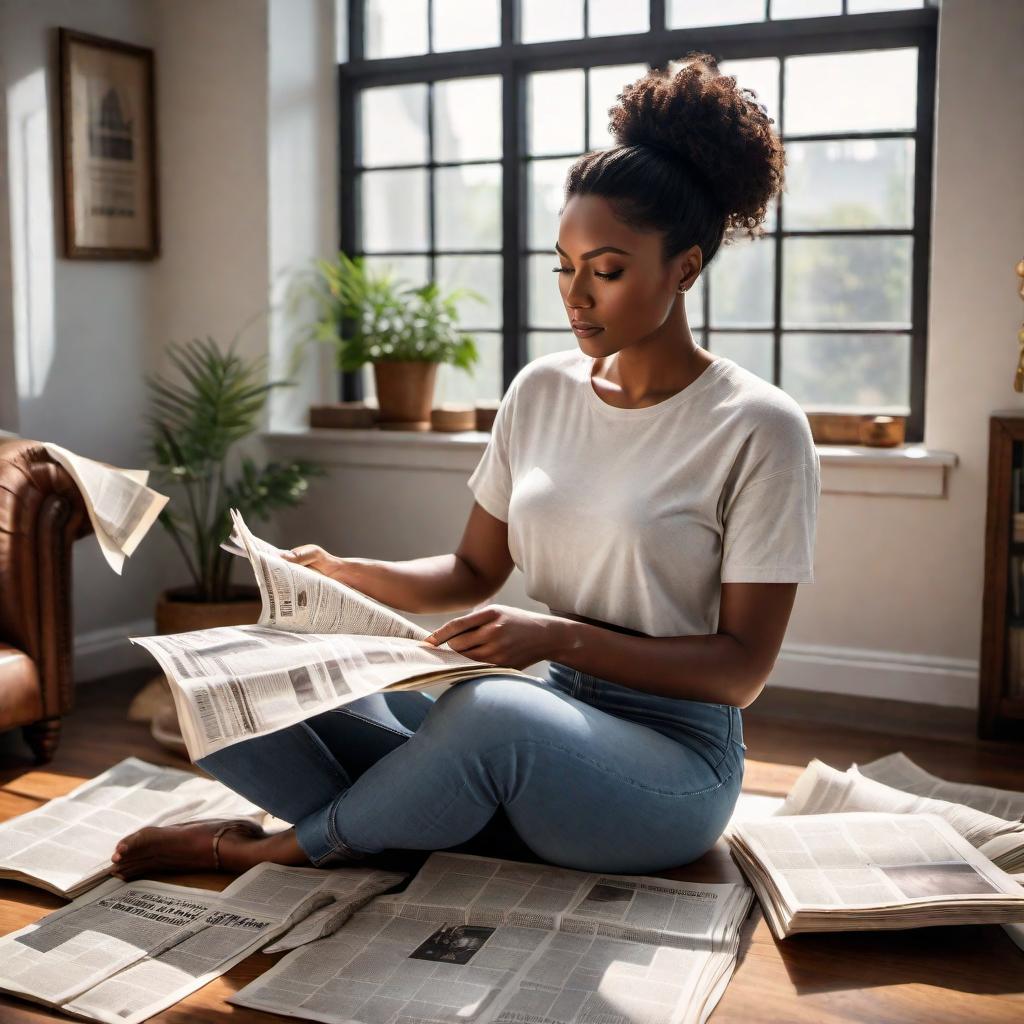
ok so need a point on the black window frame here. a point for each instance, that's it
(514, 61)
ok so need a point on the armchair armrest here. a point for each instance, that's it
(42, 514)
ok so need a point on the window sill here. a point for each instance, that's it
(911, 471)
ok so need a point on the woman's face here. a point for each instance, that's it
(616, 288)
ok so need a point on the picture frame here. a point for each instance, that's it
(108, 148)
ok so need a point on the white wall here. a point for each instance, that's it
(75, 335)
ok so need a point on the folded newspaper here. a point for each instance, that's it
(895, 784)
(499, 942)
(65, 845)
(128, 950)
(318, 644)
(866, 855)
(121, 507)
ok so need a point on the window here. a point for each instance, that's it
(459, 119)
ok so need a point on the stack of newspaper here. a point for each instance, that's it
(318, 644)
(65, 845)
(121, 507)
(499, 942)
(127, 950)
(846, 851)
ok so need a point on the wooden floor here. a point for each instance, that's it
(931, 975)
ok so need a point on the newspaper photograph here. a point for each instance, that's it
(65, 845)
(127, 950)
(455, 947)
(231, 683)
(121, 507)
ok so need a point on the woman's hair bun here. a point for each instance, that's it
(720, 131)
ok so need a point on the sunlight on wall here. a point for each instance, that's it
(32, 245)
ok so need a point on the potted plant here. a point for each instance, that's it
(196, 421)
(403, 331)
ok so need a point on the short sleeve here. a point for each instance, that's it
(770, 527)
(491, 481)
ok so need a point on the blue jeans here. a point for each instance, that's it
(590, 774)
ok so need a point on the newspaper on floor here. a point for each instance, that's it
(128, 950)
(898, 771)
(318, 644)
(859, 870)
(65, 845)
(824, 790)
(474, 940)
(879, 786)
(121, 507)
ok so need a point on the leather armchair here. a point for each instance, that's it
(42, 514)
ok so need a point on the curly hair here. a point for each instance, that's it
(696, 158)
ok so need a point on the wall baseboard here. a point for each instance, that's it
(106, 652)
(891, 675)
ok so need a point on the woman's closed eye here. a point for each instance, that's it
(597, 273)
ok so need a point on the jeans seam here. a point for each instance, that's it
(607, 771)
(324, 754)
(370, 721)
(337, 843)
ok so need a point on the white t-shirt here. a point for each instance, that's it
(637, 516)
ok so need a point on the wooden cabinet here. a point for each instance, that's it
(1001, 676)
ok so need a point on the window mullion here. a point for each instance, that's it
(513, 218)
(777, 283)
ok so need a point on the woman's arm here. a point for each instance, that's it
(727, 667)
(437, 583)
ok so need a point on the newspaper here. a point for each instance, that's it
(65, 845)
(898, 771)
(121, 507)
(861, 870)
(128, 950)
(318, 644)
(474, 940)
(823, 789)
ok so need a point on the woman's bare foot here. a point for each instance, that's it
(189, 847)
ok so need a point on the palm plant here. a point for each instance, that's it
(197, 419)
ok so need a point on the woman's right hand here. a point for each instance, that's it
(315, 557)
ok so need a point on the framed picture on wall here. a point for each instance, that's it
(108, 148)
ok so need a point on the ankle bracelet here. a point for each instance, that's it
(216, 842)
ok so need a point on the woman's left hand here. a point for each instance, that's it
(501, 635)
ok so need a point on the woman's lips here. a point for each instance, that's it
(585, 330)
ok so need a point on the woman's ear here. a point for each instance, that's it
(689, 264)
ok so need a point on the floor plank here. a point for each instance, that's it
(925, 975)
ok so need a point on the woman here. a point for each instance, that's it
(659, 500)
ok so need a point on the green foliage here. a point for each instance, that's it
(372, 316)
(215, 401)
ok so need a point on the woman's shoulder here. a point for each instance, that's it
(549, 371)
(771, 417)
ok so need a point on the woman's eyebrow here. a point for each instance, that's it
(593, 252)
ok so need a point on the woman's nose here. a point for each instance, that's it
(577, 296)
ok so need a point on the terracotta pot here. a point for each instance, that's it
(405, 393)
(178, 612)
